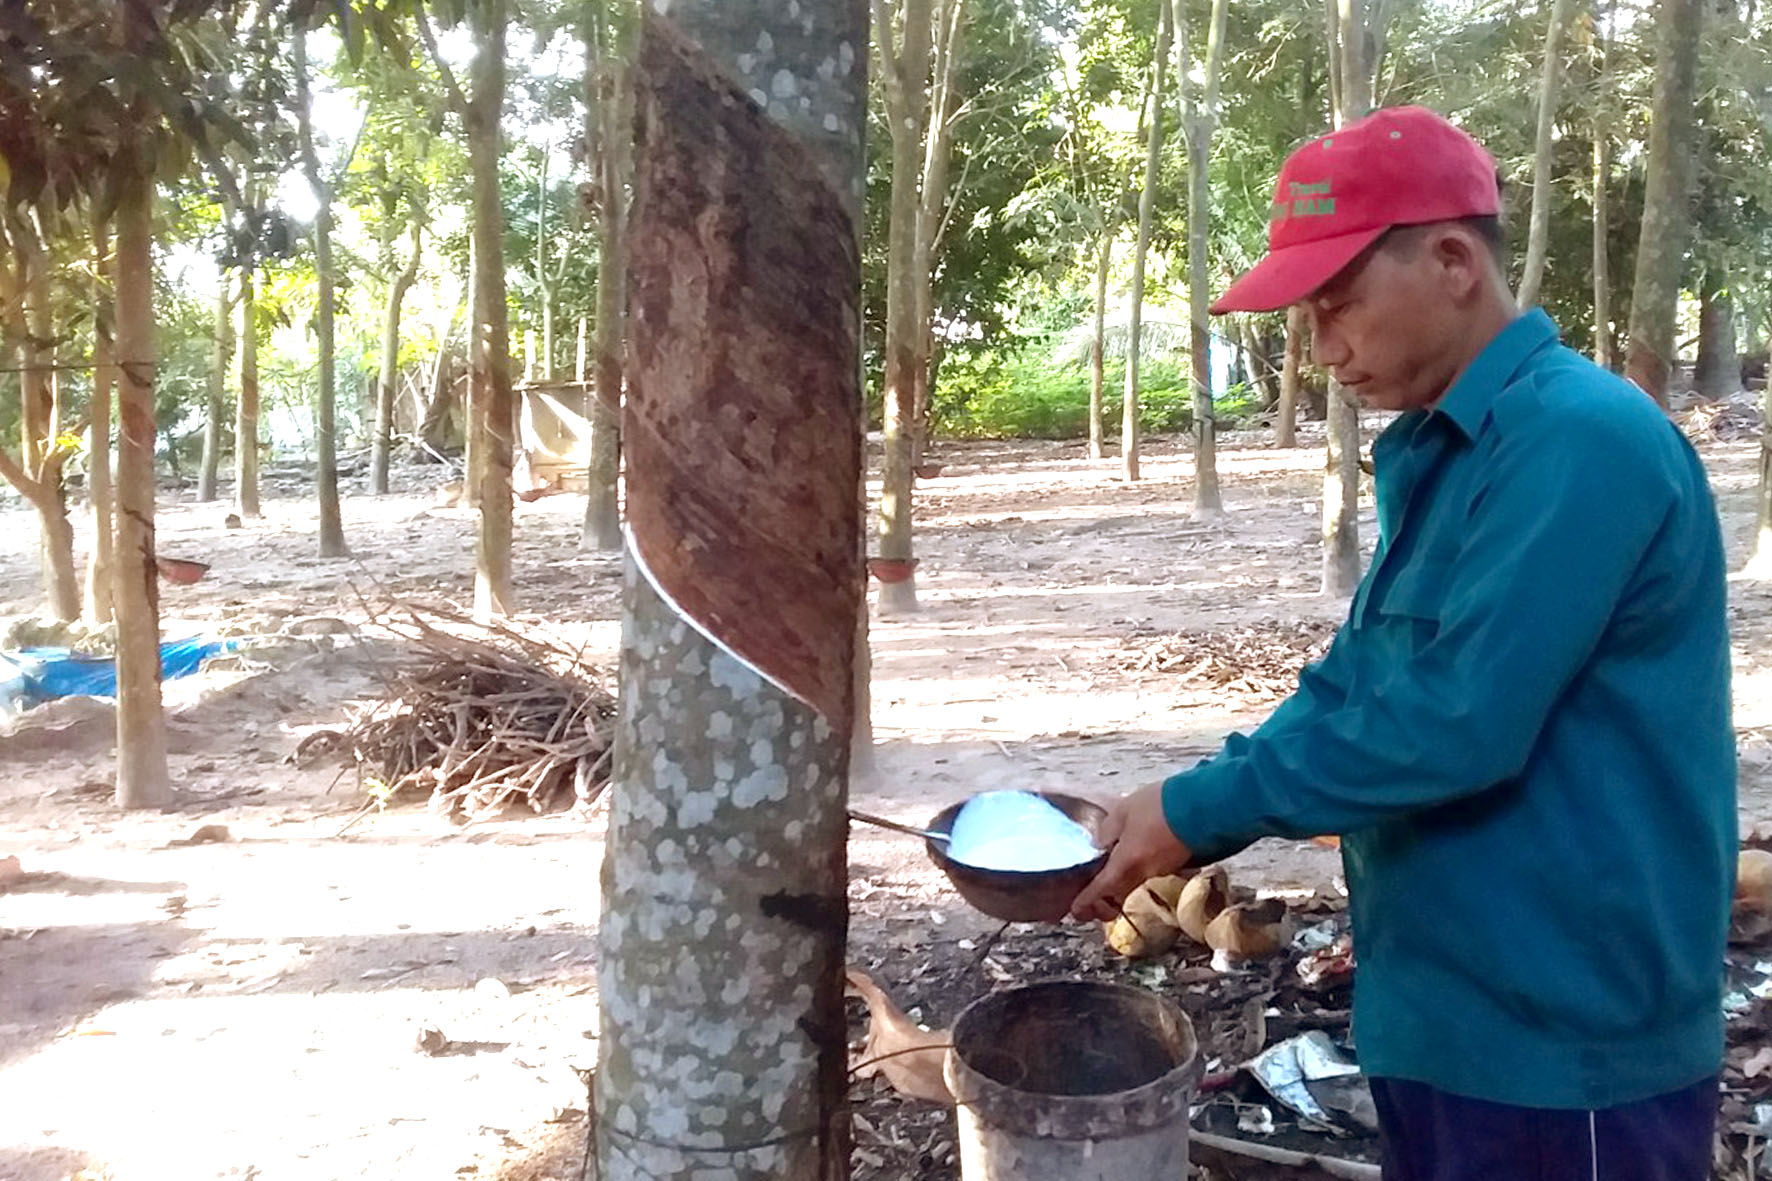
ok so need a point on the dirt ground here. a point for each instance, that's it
(251, 1007)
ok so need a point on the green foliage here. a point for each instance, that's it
(1046, 147)
(1021, 392)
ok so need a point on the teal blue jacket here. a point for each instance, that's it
(1522, 734)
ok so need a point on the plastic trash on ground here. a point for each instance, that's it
(31, 676)
(1328, 965)
(1316, 1080)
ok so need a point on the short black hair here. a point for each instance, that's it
(1487, 228)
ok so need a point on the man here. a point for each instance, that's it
(1522, 732)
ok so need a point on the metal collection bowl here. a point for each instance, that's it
(1042, 896)
(183, 571)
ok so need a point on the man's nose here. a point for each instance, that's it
(1327, 347)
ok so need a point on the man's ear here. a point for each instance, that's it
(1463, 261)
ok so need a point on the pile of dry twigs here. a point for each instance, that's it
(482, 720)
(1260, 662)
(1725, 420)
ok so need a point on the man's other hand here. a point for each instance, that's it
(1142, 847)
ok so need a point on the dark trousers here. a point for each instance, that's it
(1429, 1135)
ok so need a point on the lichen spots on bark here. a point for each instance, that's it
(709, 983)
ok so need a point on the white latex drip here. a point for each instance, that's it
(1018, 830)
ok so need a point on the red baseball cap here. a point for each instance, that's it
(1336, 195)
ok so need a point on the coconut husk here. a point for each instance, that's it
(1145, 925)
(1202, 899)
(1250, 930)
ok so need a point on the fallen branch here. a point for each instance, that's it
(1334, 1166)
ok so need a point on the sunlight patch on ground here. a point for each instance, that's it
(297, 1086)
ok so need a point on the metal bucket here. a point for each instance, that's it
(1073, 1080)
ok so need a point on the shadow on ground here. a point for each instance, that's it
(56, 976)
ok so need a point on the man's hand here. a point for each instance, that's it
(1142, 847)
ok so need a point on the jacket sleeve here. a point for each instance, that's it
(1552, 542)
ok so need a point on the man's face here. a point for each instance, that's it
(1386, 326)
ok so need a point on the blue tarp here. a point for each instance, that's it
(30, 676)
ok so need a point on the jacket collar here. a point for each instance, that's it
(1466, 403)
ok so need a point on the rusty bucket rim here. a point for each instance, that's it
(1109, 1115)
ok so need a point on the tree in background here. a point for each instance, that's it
(1147, 201)
(1538, 233)
(491, 409)
(142, 779)
(215, 409)
(246, 406)
(324, 182)
(1667, 217)
(394, 182)
(29, 314)
(1602, 186)
(1356, 46)
(919, 45)
(98, 475)
(1199, 118)
(609, 121)
(1291, 380)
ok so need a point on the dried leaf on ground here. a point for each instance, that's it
(1260, 662)
(909, 1057)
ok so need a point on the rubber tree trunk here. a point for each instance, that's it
(1199, 119)
(545, 362)
(331, 524)
(1341, 496)
(1717, 373)
(1538, 230)
(381, 444)
(55, 542)
(948, 29)
(1604, 353)
(608, 50)
(142, 780)
(40, 447)
(721, 940)
(1291, 380)
(98, 475)
(61, 582)
(904, 69)
(215, 408)
(1760, 561)
(1258, 352)
(548, 282)
(332, 529)
(1147, 202)
(1097, 346)
(490, 386)
(440, 402)
(246, 410)
(473, 424)
(1667, 207)
(1350, 38)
